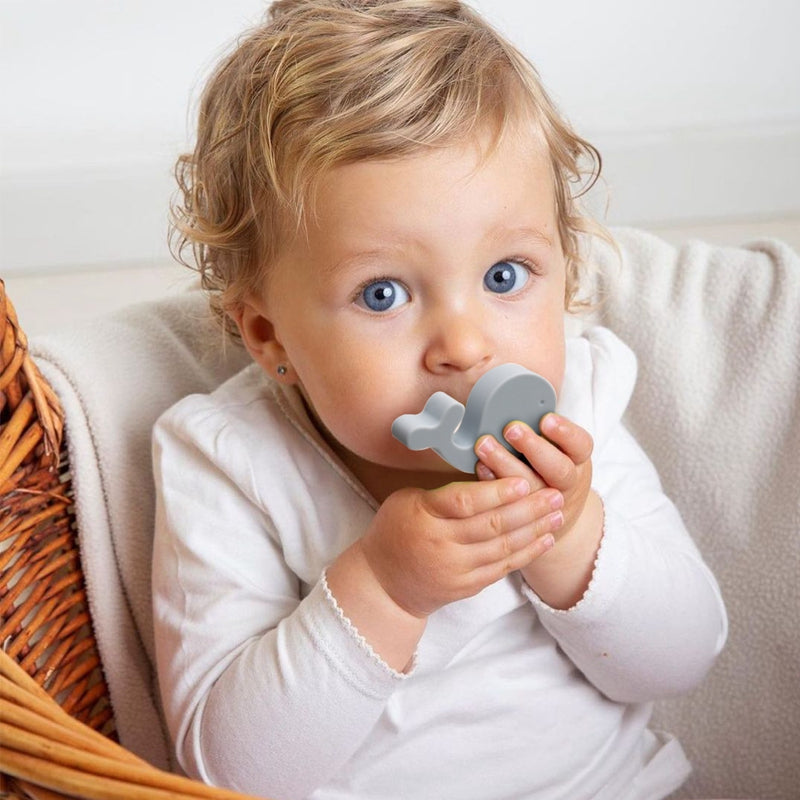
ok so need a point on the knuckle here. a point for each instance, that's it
(503, 549)
(497, 525)
(541, 527)
(463, 503)
(419, 503)
(564, 473)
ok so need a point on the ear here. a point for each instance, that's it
(260, 339)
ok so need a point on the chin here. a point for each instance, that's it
(429, 462)
(397, 457)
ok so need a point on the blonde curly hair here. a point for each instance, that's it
(322, 83)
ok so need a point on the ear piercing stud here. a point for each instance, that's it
(282, 369)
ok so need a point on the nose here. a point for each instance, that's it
(458, 342)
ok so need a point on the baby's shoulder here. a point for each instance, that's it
(241, 415)
(238, 432)
(245, 394)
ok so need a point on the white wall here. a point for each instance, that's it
(695, 105)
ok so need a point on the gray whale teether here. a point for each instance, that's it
(503, 394)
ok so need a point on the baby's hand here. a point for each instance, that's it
(562, 461)
(430, 548)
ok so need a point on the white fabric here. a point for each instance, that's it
(269, 689)
(717, 407)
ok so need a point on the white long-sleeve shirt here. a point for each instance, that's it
(269, 689)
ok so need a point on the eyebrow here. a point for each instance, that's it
(502, 232)
(353, 258)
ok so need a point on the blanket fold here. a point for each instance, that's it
(114, 376)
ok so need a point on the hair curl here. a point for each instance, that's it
(323, 83)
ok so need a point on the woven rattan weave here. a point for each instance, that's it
(56, 724)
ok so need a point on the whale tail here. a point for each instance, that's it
(434, 427)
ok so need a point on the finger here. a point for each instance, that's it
(514, 522)
(463, 500)
(499, 461)
(569, 437)
(494, 571)
(555, 467)
(484, 473)
(498, 549)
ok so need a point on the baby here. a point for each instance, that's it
(379, 204)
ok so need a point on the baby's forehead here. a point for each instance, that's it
(383, 193)
(459, 194)
(518, 141)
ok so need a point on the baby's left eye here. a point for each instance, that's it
(383, 295)
(505, 277)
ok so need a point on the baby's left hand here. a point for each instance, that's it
(559, 458)
(561, 461)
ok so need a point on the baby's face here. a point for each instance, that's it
(418, 275)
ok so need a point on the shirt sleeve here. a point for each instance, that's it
(239, 641)
(652, 620)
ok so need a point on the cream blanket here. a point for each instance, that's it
(717, 332)
(717, 407)
(114, 377)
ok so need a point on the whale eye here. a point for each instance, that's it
(505, 277)
(383, 295)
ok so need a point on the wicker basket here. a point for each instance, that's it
(57, 735)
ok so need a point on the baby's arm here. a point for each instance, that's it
(563, 462)
(264, 686)
(650, 619)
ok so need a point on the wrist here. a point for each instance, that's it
(561, 576)
(391, 631)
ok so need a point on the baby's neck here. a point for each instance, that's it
(381, 481)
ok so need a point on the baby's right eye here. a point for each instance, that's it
(383, 295)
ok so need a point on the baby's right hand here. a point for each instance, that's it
(430, 548)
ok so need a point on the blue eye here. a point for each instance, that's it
(383, 295)
(505, 277)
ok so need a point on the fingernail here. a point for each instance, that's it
(548, 541)
(556, 520)
(521, 487)
(514, 433)
(485, 447)
(484, 473)
(550, 422)
(556, 501)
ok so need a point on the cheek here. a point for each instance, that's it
(357, 397)
(540, 344)
(557, 366)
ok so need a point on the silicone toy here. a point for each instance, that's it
(503, 394)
